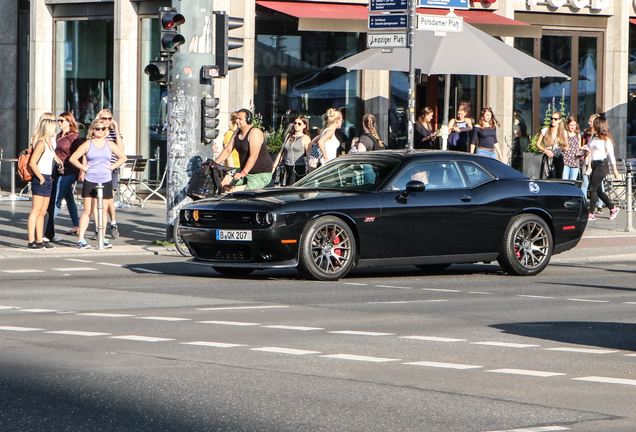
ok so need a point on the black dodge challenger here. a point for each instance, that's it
(429, 209)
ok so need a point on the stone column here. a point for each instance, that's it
(40, 62)
(9, 84)
(375, 91)
(125, 73)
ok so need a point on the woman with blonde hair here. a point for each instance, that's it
(601, 147)
(43, 159)
(425, 130)
(97, 168)
(232, 161)
(485, 141)
(553, 142)
(327, 142)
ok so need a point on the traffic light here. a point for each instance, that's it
(224, 43)
(159, 71)
(209, 120)
(169, 39)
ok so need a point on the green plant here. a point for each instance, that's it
(274, 139)
(532, 146)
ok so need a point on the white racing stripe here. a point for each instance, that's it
(607, 380)
(77, 333)
(74, 269)
(20, 329)
(230, 323)
(105, 315)
(504, 344)
(526, 372)
(432, 338)
(284, 350)
(159, 318)
(213, 344)
(241, 307)
(360, 333)
(444, 365)
(299, 328)
(536, 429)
(582, 350)
(23, 271)
(360, 358)
(141, 338)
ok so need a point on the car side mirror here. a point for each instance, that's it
(412, 186)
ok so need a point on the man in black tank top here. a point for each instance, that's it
(256, 163)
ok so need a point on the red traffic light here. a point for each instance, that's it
(171, 20)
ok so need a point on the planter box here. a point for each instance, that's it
(532, 165)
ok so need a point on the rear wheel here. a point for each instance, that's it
(233, 271)
(178, 241)
(527, 246)
(327, 249)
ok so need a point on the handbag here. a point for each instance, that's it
(314, 156)
(453, 139)
(24, 160)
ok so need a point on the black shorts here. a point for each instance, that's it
(43, 189)
(90, 190)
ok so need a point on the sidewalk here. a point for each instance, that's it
(603, 239)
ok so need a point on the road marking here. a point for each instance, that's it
(141, 338)
(629, 302)
(23, 271)
(158, 318)
(105, 315)
(443, 365)
(360, 358)
(504, 344)
(300, 328)
(588, 301)
(433, 338)
(407, 301)
(535, 296)
(440, 290)
(361, 333)
(284, 350)
(393, 287)
(230, 323)
(212, 344)
(582, 350)
(110, 264)
(74, 269)
(536, 429)
(607, 380)
(145, 270)
(479, 292)
(241, 307)
(145, 233)
(78, 260)
(353, 283)
(77, 333)
(526, 372)
(40, 310)
(20, 329)
(9, 307)
(630, 355)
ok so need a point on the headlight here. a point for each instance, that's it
(263, 218)
(187, 215)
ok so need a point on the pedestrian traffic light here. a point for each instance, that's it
(159, 71)
(209, 120)
(169, 39)
(224, 43)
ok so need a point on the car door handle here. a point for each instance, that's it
(466, 198)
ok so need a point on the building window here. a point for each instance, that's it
(631, 97)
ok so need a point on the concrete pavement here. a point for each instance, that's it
(603, 240)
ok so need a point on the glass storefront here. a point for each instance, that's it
(83, 69)
(631, 97)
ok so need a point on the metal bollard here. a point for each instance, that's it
(630, 202)
(100, 216)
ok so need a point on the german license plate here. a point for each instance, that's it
(234, 235)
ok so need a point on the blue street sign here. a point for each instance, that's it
(446, 4)
(388, 6)
(388, 21)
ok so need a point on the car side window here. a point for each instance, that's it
(434, 175)
(474, 173)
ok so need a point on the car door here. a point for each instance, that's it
(435, 221)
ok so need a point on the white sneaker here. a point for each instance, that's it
(118, 204)
(57, 239)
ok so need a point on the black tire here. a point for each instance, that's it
(527, 246)
(433, 267)
(178, 241)
(233, 271)
(327, 249)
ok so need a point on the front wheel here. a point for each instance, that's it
(327, 249)
(527, 246)
(178, 241)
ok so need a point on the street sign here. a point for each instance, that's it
(440, 23)
(445, 4)
(388, 21)
(386, 40)
(388, 5)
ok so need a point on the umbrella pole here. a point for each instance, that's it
(411, 113)
(447, 79)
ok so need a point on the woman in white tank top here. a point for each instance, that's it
(327, 141)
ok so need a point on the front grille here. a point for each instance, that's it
(222, 253)
(212, 218)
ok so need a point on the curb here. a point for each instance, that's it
(62, 252)
(593, 259)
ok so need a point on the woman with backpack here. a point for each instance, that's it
(369, 140)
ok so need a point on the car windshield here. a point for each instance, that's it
(350, 174)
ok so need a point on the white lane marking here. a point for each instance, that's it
(74, 269)
(77, 333)
(630, 355)
(629, 302)
(145, 270)
(241, 307)
(433, 338)
(141, 338)
(536, 429)
(78, 260)
(607, 380)
(159, 318)
(230, 323)
(110, 264)
(360, 358)
(526, 372)
(353, 283)
(407, 301)
(393, 287)
(9, 307)
(212, 344)
(444, 365)
(582, 350)
(40, 310)
(504, 344)
(479, 292)
(535, 296)
(361, 333)
(105, 315)
(279, 350)
(300, 328)
(588, 301)
(20, 329)
(440, 290)
(23, 271)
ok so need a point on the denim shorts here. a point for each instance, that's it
(42, 189)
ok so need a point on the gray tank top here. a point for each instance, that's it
(294, 150)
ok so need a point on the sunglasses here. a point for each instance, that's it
(555, 118)
(299, 123)
(61, 120)
(107, 118)
(100, 128)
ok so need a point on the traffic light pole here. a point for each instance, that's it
(189, 86)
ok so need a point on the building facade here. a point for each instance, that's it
(85, 55)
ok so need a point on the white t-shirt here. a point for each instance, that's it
(45, 164)
(331, 146)
(601, 149)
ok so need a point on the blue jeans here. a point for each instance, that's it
(570, 173)
(65, 192)
(482, 152)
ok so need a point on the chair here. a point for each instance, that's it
(129, 187)
(616, 187)
(153, 187)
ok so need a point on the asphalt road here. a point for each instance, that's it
(150, 343)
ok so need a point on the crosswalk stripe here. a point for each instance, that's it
(279, 350)
(526, 372)
(20, 329)
(607, 380)
(582, 350)
(444, 365)
(504, 344)
(432, 338)
(141, 338)
(77, 333)
(360, 358)
(212, 344)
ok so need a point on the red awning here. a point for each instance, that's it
(315, 16)
(632, 20)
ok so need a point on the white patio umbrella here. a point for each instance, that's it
(471, 52)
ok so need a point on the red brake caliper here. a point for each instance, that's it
(335, 242)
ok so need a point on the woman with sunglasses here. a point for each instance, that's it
(97, 168)
(294, 150)
(553, 142)
(68, 141)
